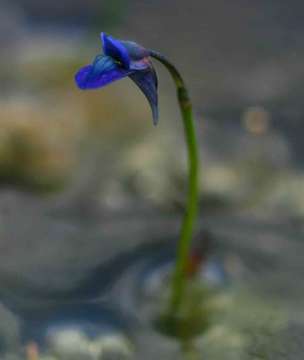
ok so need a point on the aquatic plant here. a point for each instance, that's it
(122, 59)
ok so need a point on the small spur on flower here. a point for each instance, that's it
(119, 60)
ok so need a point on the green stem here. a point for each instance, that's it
(179, 276)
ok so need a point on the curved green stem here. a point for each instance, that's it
(191, 211)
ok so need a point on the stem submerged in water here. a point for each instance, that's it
(191, 211)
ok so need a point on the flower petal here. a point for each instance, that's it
(131, 55)
(139, 56)
(103, 71)
(135, 51)
(147, 82)
(116, 50)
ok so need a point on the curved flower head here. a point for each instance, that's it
(119, 60)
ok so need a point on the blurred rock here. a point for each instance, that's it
(37, 144)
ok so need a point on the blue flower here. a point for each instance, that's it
(119, 60)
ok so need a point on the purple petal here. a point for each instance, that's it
(131, 55)
(116, 50)
(147, 82)
(102, 72)
(139, 56)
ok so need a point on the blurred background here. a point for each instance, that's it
(243, 66)
(85, 176)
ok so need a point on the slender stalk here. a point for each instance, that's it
(179, 276)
